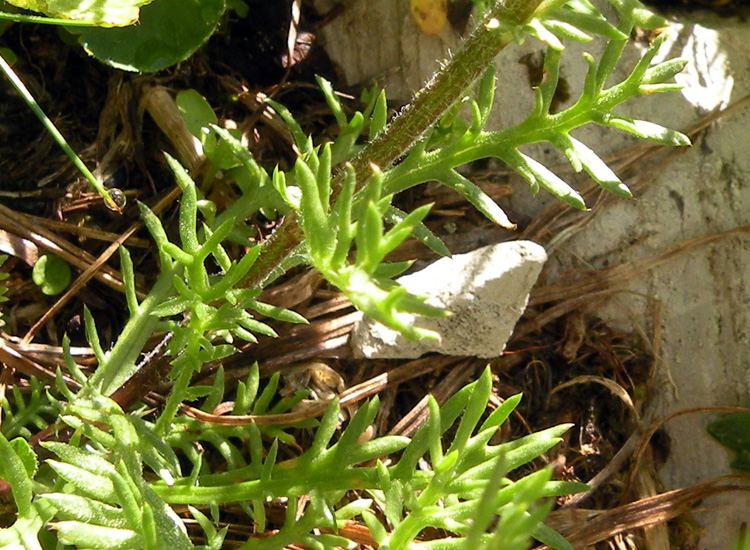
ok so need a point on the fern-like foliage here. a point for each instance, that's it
(453, 143)
(331, 230)
(335, 219)
(103, 500)
(447, 496)
(211, 307)
(101, 497)
(187, 435)
(28, 411)
(18, 465)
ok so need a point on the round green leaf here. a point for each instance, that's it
(9, 56)
(168, 32)
(196, 111)
(51, 274)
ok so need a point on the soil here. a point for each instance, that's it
(724, 8)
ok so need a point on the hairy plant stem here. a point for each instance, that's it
(445, 88)
(121, 360)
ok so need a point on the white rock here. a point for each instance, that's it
(486, 291)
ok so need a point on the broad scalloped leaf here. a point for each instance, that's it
(103, 13)
(169, 31)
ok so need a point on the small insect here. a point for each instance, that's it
(429, 15)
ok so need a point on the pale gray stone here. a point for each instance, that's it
(485, 290)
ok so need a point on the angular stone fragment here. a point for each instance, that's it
(485, 290)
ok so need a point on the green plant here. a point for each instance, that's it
(24, 413)
(146, 47)
(51, 274)
(733, 431)
(107, 29)
(114, 482)
(112, 198)
(106, 13)
(101, 498)
(160, 39)
(743, 541)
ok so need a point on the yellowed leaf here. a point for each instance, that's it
(429, 15)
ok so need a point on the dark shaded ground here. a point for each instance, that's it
(725, 8)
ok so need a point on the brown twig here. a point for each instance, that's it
(347, 398)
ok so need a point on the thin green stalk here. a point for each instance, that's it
(177, 395)
(429, 104)
(55, 133)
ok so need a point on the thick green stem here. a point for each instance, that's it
(121, 360)
(294, 485)
(443, 90)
